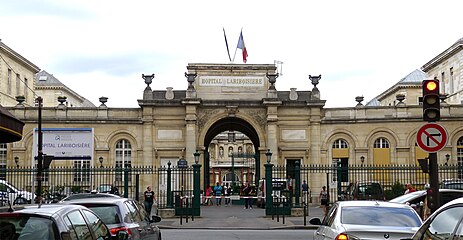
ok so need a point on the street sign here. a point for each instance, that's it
(431, 137)
(182, 163)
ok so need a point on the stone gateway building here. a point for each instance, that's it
(231, 99)
(232, 114)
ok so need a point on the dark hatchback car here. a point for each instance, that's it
(52, 222)
(122, 214)
(364, 190)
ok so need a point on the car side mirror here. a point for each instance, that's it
(155, 218)
(315, 221)
(122, 235)
(66, 236)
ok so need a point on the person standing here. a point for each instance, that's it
(247, 196)
(324, 199)
(218, 194)
(409, 188)
(289, 182)
(305, 190)
(228, 191)
(149, 199)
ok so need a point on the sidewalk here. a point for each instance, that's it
(235, 217)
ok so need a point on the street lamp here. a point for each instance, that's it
(447, 158)
(362, 159)
(101, 161)
(196, 155)
(268, 154)
(16, 160)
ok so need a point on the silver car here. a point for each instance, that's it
(352, 220)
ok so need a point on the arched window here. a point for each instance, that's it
(381, 151)
(381, 143)
(123, 158)
(340, 154)
(3, 161)
(340, 143)
(460, 156)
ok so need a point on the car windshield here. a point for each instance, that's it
(14, 226)
(379, 216)
(452, 185)
(107, 213)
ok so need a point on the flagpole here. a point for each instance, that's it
(234, 55)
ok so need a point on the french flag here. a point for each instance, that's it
(242, 47)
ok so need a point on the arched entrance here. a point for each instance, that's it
(231, 124)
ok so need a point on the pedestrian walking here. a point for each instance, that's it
(324, 199)
(305, 190)
(149, 200)
(208, 201)
(247, 190)
(218, 194)
(289, 182)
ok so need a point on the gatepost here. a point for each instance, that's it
(297, 185)
(268, 184)
(196, 190)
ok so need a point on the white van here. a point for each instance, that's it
(6, 189)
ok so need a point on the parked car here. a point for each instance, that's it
(53, 221)
(13, 194)
(367, 220)
(122, 214)
(364, 190)
(452, 184)
(445, 223)
(417, 199)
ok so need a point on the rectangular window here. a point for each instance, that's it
(452, 86)
(442, 81)
(2, 161)
(8, 87)
(25, 87)
(82, 171)
(18, 84)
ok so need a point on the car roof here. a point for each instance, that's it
(96, 200)
(370, 203)
(45, 209)
(90, 195)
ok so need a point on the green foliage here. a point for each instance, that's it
(396, 190)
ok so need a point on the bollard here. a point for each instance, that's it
(305, 214)
(186, 208)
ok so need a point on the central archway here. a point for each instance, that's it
(230, 124)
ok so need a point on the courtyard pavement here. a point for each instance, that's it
(235, 217)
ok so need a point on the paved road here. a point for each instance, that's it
(235, 217)
(201, 234)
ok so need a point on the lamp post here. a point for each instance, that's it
(196, 184)
(268, 183)
(101, 161)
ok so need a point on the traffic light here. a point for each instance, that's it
(47, 161)
(431, 100)
(431, 199)
(424, 165)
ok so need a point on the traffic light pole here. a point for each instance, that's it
(40, 152)
(434, 203)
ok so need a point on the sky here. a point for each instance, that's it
(102, 47)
